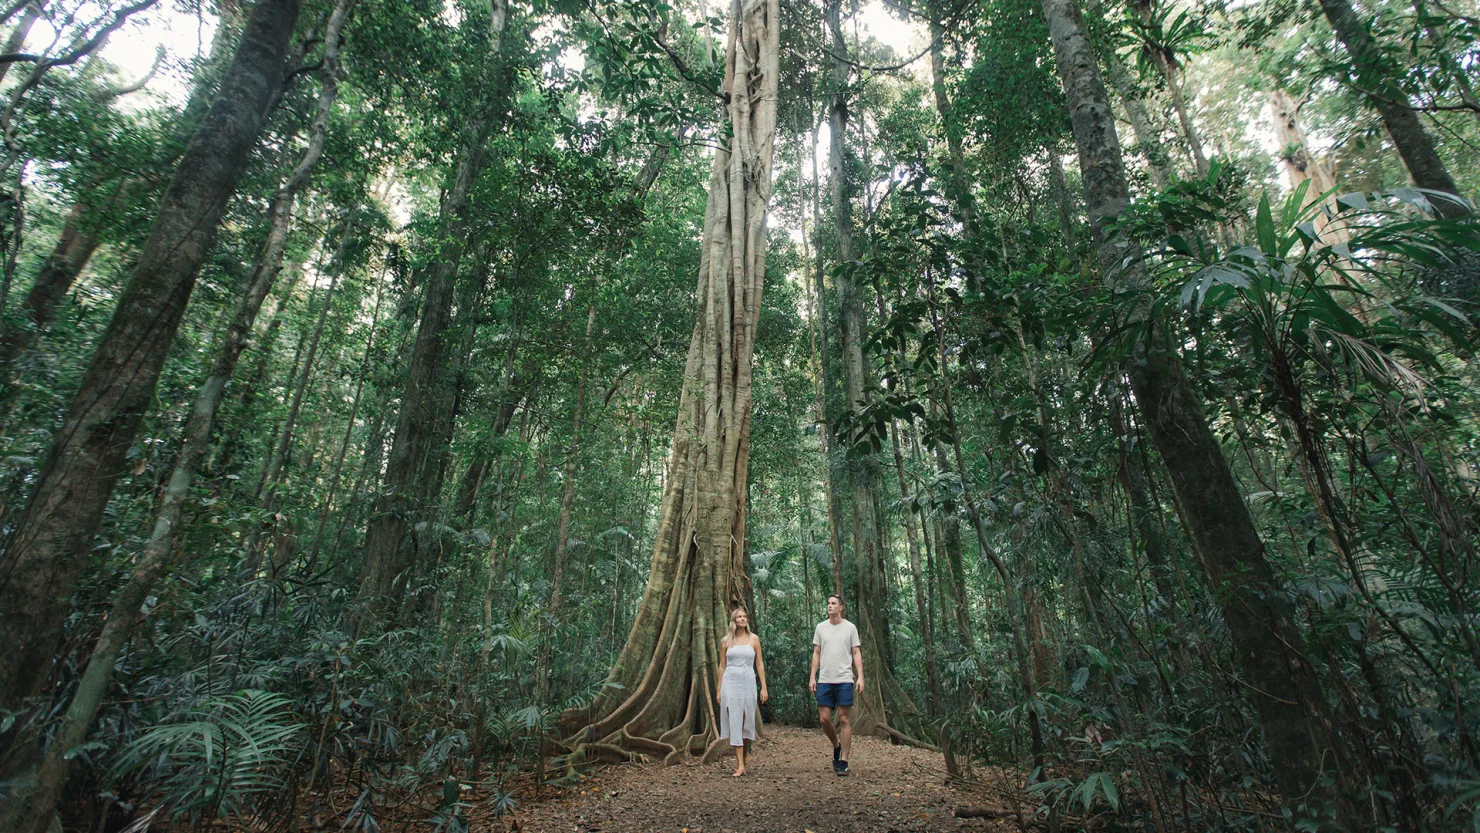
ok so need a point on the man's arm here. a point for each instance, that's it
(857, 669)
(812, 678)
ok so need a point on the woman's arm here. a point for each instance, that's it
(719, 682)
(760, 667)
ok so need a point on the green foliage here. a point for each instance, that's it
(222, 758)
(997, 374)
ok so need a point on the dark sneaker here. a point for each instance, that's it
(841, 768)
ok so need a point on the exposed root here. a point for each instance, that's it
(605, 753)
(652, 747)
(713, 750)
(901, 738)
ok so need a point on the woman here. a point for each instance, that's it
(740, 663)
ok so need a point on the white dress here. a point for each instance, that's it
(737, 695)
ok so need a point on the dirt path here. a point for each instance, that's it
(790, 788)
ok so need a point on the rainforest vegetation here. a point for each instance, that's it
(397, 395)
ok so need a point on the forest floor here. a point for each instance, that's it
(789, 788)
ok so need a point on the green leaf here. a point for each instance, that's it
(1264, 226)
(1081, 677)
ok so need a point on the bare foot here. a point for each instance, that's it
(737, 773)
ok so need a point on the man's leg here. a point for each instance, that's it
(824, 715)
(845, 729)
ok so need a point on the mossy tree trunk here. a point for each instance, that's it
(660, 699)
(48, 550)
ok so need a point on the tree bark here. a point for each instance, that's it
(1284, 688)
(402, 495)
(48, 549)
(1302, 166)
(666, 704)
(1415, 145)
(1148, 140)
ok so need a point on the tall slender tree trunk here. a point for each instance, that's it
(127, 608)
(1148, 138)
(917, 577)
(666, 704)
(349, 429)
(17, 39)
(1378, 84)
(1301, 165)
(1173, 75)
(1014, 590)
(1279, 674)
(870, 608)
(47, 551)
(73, 250)
(957, 180)
(403, 493)
(562, 534)
(79, 240)
(272, 472)
(823, 383)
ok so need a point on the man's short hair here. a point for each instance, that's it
(832, 596)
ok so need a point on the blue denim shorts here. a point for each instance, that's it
(834, 694)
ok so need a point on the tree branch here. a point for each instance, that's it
(127, 89)
(86, 47)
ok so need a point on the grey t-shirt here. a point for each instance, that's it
(835, 661)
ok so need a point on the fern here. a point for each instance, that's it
(220, 759)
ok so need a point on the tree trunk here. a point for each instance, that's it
(403, 492)
(1148, 138)
(78, 240)
(73, 250)
(127, 608)
(349, 429)
(1018, 615)
(1173, 76)
(1283, 686)
(1414, 144)
(667, 704)
(17, 39)
(917, 578)
(957, 180)
(1143, 510)
(562, 534)
(823, 384)
(871, 712)
(1302, 166)
(1063, 201)
(48, 549)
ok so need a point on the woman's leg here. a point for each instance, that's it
(739, 759)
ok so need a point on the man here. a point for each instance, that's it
(837, 675)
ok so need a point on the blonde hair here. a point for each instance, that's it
(734, 628)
